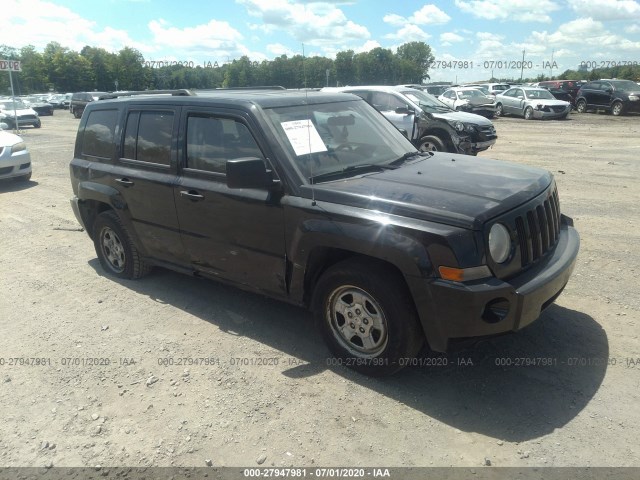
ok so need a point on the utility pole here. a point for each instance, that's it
(551, 65)
(522, 69)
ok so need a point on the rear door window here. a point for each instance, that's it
(148, 136)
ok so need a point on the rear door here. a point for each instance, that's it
(234, 234)
(145, 175)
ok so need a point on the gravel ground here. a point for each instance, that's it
(115, 382)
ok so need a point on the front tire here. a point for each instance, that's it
(431, 143)
(617, 109)
(528, 113)
(117, 253)
(581, 106)
(367, 317)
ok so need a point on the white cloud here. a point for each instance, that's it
(427, 15)
(47, 22)
(409, 33)
(278, 49)
(451, 37)
(607, 9)
(314, 23)
(518, 11)
(635, 28)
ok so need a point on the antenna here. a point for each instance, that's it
(306, 96)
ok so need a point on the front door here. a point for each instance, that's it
(234, 234)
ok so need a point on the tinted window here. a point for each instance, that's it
(98, 134)
(211, 141)
(153, 140)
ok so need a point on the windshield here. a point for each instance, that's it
(426, 101)
(539, 94)
(337, 136)
(626, 85)
(470, 94)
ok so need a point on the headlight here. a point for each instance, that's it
(459, 126)
(469, 127)
(18, 147)
(499, 243)
(634, 98)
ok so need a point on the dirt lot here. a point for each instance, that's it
(127, 408)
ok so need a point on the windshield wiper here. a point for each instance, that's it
(352, 169)
(405, 157)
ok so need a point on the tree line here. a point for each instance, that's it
(60, 69)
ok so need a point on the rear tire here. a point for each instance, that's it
(117, 253)
(499, 110)
(367, 317)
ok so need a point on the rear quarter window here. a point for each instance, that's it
(98, 136)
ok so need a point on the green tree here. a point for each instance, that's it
(419, 54)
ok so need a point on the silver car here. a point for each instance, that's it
(15, 159)
(531, 102)
(469, 99)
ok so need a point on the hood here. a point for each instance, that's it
(8, 139)
(458, 190)
(462, 117)
(19, 111)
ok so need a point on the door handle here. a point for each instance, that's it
(124, 181)
(191, 194)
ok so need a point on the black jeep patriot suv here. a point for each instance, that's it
(314, 198)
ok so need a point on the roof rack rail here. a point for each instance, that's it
(260, 87)
(177, 92)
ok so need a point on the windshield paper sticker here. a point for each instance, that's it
(304, 137)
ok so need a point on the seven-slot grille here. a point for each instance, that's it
(538, 229)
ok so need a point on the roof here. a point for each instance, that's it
(247, 98)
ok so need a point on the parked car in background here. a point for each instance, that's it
(490, 88)
(560, 94)
(436, 90)
(616, 96)
(15, 159)
(569, 86)
(531, 102)
(428, 123)
(26, 115)
(41, 107)
(480, 86)
(79, 101)
(469, 99)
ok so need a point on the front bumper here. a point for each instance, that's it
(16, 165)
(450, 310)
(541, 114)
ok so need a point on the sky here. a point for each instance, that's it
(489, 35)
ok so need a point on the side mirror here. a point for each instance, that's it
(405, 110)
(520, 97)
(249, 172)
(609, 90)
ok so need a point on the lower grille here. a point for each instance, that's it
(558, 109)
(5, 170)
(538, 229)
